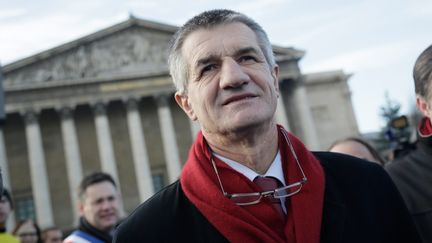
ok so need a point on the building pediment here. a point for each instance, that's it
(132, 47)
(120, 61)
(129, 48)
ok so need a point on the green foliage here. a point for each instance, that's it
(389, 110)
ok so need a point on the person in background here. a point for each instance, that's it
(6, 207)
(357, 147)
(99, 208)
(52, 235)
(27, 231)
(247, 179)
(412, 173)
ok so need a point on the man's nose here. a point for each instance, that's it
(106, 204)
(232, 75)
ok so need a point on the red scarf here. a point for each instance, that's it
(259, 222)
(425, 127)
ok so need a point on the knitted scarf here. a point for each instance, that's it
(259, 222)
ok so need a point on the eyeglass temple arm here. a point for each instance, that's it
(295, 155)
(217, 175)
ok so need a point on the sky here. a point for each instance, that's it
(377, 41)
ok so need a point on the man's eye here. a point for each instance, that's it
(97, 202)
(247, 59)
(208, 68)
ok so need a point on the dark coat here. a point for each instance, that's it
(412, 175)
(361, 204)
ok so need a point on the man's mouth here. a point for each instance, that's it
(240, 97)
(108, 216)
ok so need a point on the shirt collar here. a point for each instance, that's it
(275, 169)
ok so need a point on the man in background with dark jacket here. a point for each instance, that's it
(412, 173)
(99, 208)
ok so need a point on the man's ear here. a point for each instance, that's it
(423, 106)
(275, 75)
(182, 100)
(80, 206)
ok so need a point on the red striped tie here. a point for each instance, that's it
(269, 184)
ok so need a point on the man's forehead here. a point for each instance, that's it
(228, 51)
(213, 42)
(99, 189)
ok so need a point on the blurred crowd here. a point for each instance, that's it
(99, 209)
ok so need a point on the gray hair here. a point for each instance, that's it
(207, 20)
(422, 73)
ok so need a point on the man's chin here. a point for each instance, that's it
(108, 225)
(247, 123)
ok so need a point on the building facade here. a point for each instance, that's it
(105, 102)
(331, 106)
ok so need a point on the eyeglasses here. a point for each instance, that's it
(251, 198)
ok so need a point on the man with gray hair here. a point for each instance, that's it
(247, 179)
(412, 173)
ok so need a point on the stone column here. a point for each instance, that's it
(38, 172)
(305, 117)
(5, 174)
(195, 127)
(281, 115)
(139, 151)
(168, 138)
(72, 153)
(104, 141)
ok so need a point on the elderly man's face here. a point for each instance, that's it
(230, 86)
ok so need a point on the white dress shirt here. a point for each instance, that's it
(275, 170)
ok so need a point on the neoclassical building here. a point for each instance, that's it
(105, 102)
